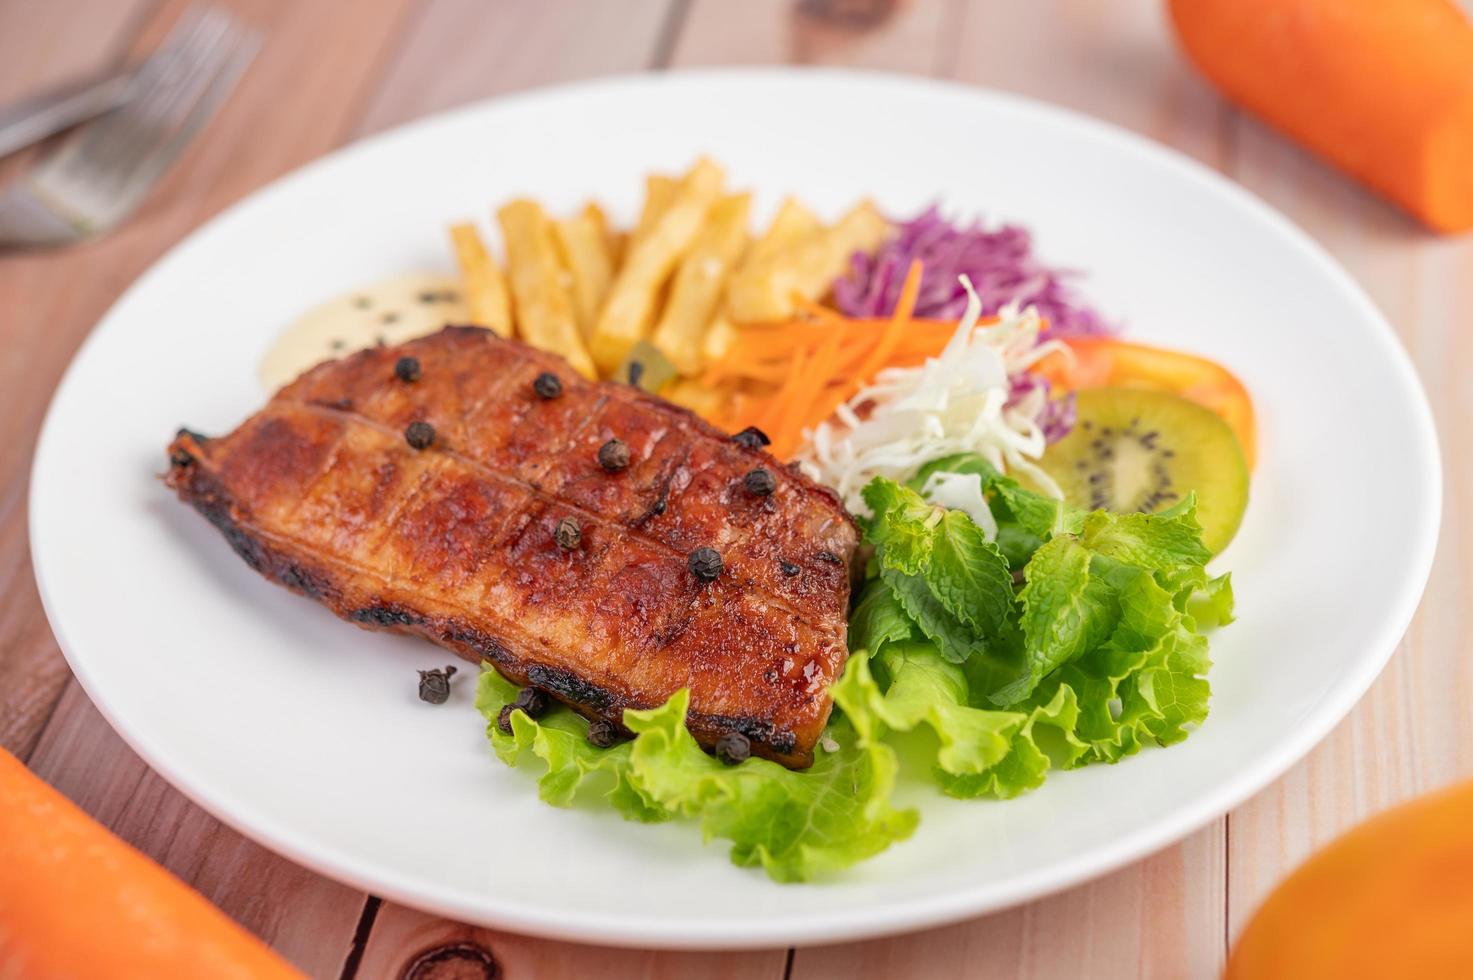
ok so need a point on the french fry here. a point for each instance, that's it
(764, 290)
(628, 312)
(614, 241)
(792, 223)
(486, 297)
(699, 282)
(584, 251)
(544, 310)
(659, 191)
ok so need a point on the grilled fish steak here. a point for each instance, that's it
(322, 492)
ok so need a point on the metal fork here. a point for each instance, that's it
(104, 169)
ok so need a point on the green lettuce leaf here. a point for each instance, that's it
(1066, 612)
(878, 618)
(795, 825)
(1167, 539)
(949, 579)
(979, 751)
(560, 740)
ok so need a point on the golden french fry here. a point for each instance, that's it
(544, 310)
(659, 191)
(764, 290)
(613, 240)
(792, 223)
(486, 297)
(628, 311)
(585, 254)
(699, 281)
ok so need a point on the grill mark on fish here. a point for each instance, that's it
(632, 553)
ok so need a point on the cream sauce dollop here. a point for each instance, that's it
(387, 312)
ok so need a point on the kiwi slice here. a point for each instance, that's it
(1134, 450)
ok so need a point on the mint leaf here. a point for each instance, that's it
(969, 575)
(1156, 541)
(901, 527)
(878, 619)
(957, 641)
(1065, 612)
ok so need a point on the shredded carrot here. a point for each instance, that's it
(890, 339)
(772, 408)
(811, 382)
(790, 375)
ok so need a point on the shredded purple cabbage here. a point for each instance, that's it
(1000, 264)
(1002, 268)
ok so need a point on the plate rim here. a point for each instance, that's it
(818, 927)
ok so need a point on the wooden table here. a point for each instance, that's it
(335, 70)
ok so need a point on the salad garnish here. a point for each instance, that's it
(1060, 639)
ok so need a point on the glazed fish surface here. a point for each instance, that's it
(588, 539)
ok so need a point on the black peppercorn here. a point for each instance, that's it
(603, 734)
(407, 369)
(830, 557)
(503, 719)
(547, 385)
(636, 371)
(567, 534)
(532, 701)
(733, 747)
(613, 456)
(760, 482)
(420, 435)
(434, 685)
(752, 438)
(705, 564)
(789, 569)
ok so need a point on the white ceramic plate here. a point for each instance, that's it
(306, 734)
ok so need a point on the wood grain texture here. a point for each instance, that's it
(456, 51)
(398, 939)
(910, 35)
(334, 69)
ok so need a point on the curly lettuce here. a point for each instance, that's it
(794, 825)
(1051, 640)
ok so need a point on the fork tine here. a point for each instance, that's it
(120, 139)
(152, 81)
(106, 168)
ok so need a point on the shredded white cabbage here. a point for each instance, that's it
(956, 402)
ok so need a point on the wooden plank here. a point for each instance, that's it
(456, 51)
(306, 917)
(1412, 732)
(908, 35)
(401, 936)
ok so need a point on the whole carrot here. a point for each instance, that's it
(1383, 89)
(77, 902)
